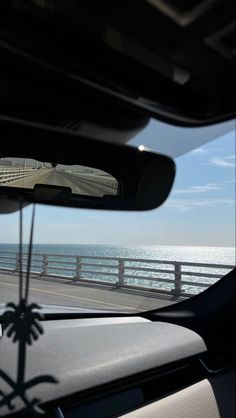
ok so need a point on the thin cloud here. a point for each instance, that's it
(184, 205)
(198, 151)
(199, 189)
(230, 181)
(227, 161)
(202, 151)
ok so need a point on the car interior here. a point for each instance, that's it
(79, 80)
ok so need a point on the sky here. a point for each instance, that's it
(200, 210)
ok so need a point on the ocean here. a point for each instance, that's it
(209, 255)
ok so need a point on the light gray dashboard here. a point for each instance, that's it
(86, 353)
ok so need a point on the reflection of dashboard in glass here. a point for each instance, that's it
(106, 407)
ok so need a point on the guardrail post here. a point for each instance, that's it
(121, 271)
(17, 269)
(178, 285)
(78, 268)
(45, 266)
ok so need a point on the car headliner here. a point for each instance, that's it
(176, 141)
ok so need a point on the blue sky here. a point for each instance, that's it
(199, 211)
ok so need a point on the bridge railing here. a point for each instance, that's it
(12, 174)
(161, 276)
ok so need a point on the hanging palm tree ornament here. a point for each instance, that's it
(22, 324)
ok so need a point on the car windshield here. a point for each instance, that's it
(90, 260)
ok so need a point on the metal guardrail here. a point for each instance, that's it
(13, 174)
(120, 272)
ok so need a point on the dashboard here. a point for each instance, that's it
(106, 367)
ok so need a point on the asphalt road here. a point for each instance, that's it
(75, 182)
(52, 291)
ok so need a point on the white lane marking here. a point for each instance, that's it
(71, 296)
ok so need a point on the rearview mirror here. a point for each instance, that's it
(57, 167)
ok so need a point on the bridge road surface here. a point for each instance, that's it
(59, 178)
(55, 291)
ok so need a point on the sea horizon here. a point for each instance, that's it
(125, 245)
